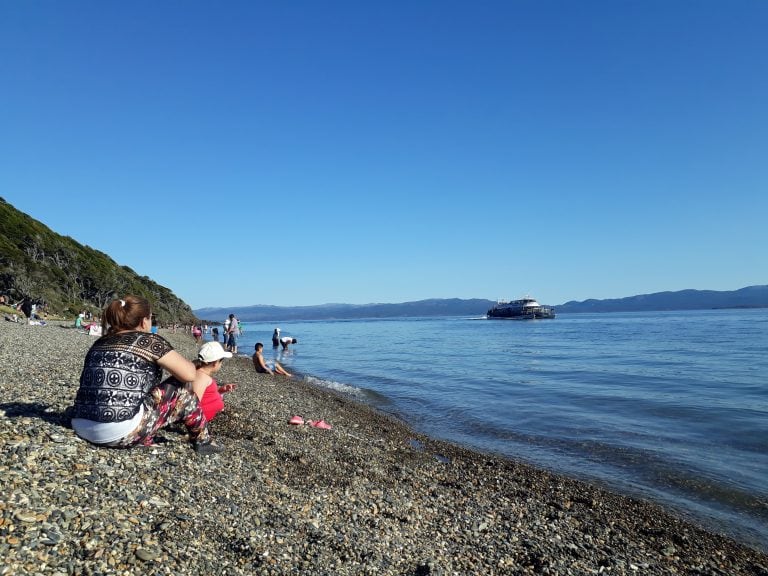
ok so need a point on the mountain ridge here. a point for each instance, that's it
(429, 307)
(689, 299)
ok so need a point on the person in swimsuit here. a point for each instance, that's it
(263, 367)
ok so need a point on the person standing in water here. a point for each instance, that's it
(231, 333)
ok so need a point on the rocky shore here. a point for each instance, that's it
(368, 496)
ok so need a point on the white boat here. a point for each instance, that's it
(524, 309)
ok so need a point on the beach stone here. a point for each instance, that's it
(147, 555)
(24, 516)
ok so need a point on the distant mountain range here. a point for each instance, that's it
(432, 307)
(750, 297)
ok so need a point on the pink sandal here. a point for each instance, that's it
(296, 421)
(322, 424)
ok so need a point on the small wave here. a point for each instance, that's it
(336, 386)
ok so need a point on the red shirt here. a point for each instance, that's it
(212, 403)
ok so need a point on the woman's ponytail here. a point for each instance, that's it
(125, 314)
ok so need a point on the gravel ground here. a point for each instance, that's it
(366, 497)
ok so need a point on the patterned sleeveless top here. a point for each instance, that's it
(119, 370)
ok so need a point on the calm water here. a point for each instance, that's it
(671, 406)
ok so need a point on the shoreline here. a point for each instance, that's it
(370, 496)
(629, 421)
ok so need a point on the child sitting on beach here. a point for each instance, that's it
(263, 367)
(206, 388)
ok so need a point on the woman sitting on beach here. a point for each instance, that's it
(121, 401)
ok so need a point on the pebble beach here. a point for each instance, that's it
(368, 496)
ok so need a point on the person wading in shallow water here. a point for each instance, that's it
(121, 402)
(230, 335)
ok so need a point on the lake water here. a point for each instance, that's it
(669, 406)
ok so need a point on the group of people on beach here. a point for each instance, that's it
(122, 400)
(34, 311)
(85, 321)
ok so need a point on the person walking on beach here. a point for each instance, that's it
(286, 340)
(215, 333)
(276, 338)
(263, 367)
(121, 402)
(231, 334)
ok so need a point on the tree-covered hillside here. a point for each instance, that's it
(38, 264)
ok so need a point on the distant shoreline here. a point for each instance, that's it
(749, 297)
(558, 311)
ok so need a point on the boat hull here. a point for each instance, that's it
(508, 314)
(524, 309)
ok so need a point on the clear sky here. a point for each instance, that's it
(303, 152)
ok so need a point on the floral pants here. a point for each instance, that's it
(168, 403)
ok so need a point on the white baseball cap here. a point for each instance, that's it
(212, 351)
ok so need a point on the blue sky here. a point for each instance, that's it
(297, 153)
